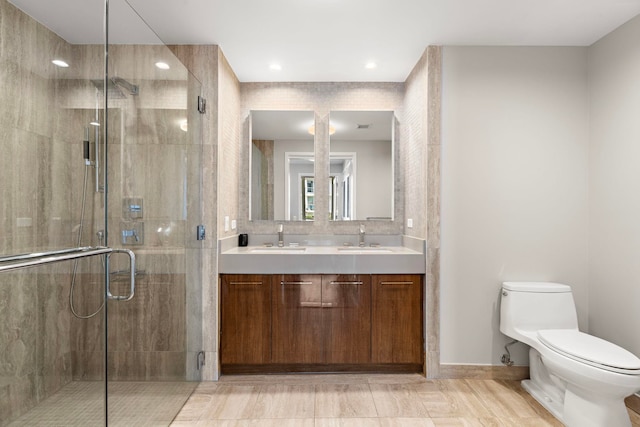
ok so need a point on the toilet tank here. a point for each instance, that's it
(531, 306)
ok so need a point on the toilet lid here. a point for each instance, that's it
(590, 350)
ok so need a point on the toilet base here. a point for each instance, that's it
(548, 402)
(578, 411)
(582, 409)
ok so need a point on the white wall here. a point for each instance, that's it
(279, 172)
(514, 186)
(374, 176)
(614, 264)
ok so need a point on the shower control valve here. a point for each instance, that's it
(132, 233)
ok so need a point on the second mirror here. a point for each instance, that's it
(361, 165)
(282, 165)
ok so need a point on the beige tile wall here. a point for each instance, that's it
(35, 186)
(202, 61)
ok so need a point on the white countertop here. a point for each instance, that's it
(322, 259)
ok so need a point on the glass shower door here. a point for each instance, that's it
(153, 153)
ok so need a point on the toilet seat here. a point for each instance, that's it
(590, 350)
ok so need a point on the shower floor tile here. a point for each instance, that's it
(80, 403)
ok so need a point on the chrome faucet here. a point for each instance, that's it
(361, 236)
(280, 235)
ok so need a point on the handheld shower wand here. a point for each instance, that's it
(85, 143)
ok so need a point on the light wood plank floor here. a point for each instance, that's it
(361, 401)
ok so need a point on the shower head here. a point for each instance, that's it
(115, 86)
(133, 89)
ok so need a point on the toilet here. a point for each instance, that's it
(581, 379)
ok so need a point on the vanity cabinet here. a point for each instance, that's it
(321, 322)
(397, 327)
(245, 330)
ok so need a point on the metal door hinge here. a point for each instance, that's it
(202, 105)
(200, 232)
(200, 360)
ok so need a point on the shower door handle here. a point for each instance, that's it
(132, 270)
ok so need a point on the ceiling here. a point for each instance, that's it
(332, 40)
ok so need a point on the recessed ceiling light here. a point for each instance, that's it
(60, 63)
(162, 65)
(370, 65)
(275, 67)
(184, 125)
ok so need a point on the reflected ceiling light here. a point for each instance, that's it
(275, 67)
(60, 63)
(96, 119)
(162, 65)
(312, 130)
(184, 125)
(370, 65)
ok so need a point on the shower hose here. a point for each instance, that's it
(75, 262)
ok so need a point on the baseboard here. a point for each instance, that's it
(293, 368)
(483, 372)
(633, 403)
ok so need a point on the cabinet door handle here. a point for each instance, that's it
(345, 283)
(296, 283)
(310, 304)
(246, 283)
(396, 283)
(327, 304)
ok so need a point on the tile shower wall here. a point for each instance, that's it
(153, 161)
(36, 187)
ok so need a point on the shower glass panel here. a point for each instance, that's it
(74, 173)
(50, 373)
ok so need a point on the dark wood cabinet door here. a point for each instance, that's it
(346, 318)
(297, 319)
(245, 321)
(397, 330)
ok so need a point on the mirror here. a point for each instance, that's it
(282, 166)
(361, 165)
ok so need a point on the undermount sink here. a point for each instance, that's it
(365, 249)
(277, 249)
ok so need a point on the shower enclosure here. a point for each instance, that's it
(100, 165)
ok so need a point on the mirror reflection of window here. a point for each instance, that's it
(274, 134)
(365, 192)
(342, 171)
(300, 190)
(308, 198)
